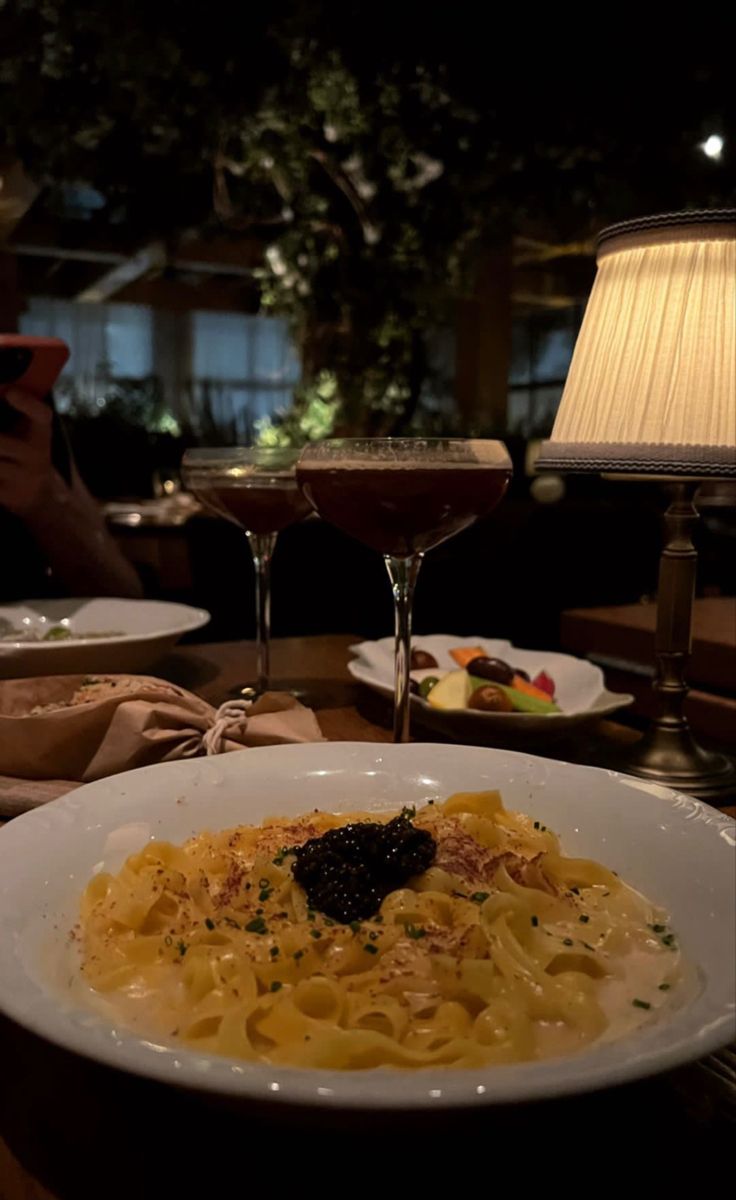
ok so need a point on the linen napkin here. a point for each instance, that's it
(74, 728)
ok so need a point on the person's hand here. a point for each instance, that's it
(26, 469)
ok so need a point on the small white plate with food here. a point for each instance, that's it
(477, 688)
(71, 637)
(372, 927)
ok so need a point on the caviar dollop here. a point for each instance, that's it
(347, 872)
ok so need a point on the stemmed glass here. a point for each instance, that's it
(402, 496)
(256, 489)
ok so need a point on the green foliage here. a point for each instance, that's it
(374, 150)
(311, 417)
(139, 403)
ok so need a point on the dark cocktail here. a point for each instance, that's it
(256, 489)
(402, 497)
(400, 511)
(262, 507)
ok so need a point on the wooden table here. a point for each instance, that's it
(81, 1129)
(315, 665)
(346, 710)
(621, 639)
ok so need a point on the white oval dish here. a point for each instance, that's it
(140, 632)
(580, 689)
(675, 849)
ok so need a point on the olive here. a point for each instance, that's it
(490, 699)
(494, 669)
(421, 660)
(425, 687)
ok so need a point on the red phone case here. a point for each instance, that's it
(48, 358)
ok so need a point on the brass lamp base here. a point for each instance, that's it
(672, 757)
(668, 753)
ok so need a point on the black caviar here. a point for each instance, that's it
(347, 872)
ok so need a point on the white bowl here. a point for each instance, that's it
(677, 850)
(580, 689)
(140, 631)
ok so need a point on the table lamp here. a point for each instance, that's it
(651, 392)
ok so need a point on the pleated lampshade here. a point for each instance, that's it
(652, 383)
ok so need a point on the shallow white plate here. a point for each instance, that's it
(141, 631)
(680, 852)
(580, 689)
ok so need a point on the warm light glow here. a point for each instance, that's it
(652, 382)
(712, 147)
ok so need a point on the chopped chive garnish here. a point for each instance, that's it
(664, 987)
(276, 986)
(257, 925)
(370, 948)
(298, 954)
(589, 947)
(536, 824)
(315, 933)
(535, 921)
(182, 948)
(575, 891)
(641, 1003)
(413, 931)
(669, 940)
(209, 923)
(584, 918)
(479, 897)
(274, 952)
(567, 942)
(659, 928)
(378, 919)
(355, 926)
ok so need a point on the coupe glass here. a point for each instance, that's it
(256, 490)
(402, 496)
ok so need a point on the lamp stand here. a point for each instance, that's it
(668, 753)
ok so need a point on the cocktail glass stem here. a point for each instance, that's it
(261, 545)
(403, 574)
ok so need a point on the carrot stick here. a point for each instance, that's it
(522, 685)
(465, 654)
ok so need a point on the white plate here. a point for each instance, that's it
(580, 688)
(142, 630)
(678, 851)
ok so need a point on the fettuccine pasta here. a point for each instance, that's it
(503, 950)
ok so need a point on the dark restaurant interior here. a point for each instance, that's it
(266, 227)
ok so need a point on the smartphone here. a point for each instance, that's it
(31, 363)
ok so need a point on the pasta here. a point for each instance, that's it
(502, 951)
